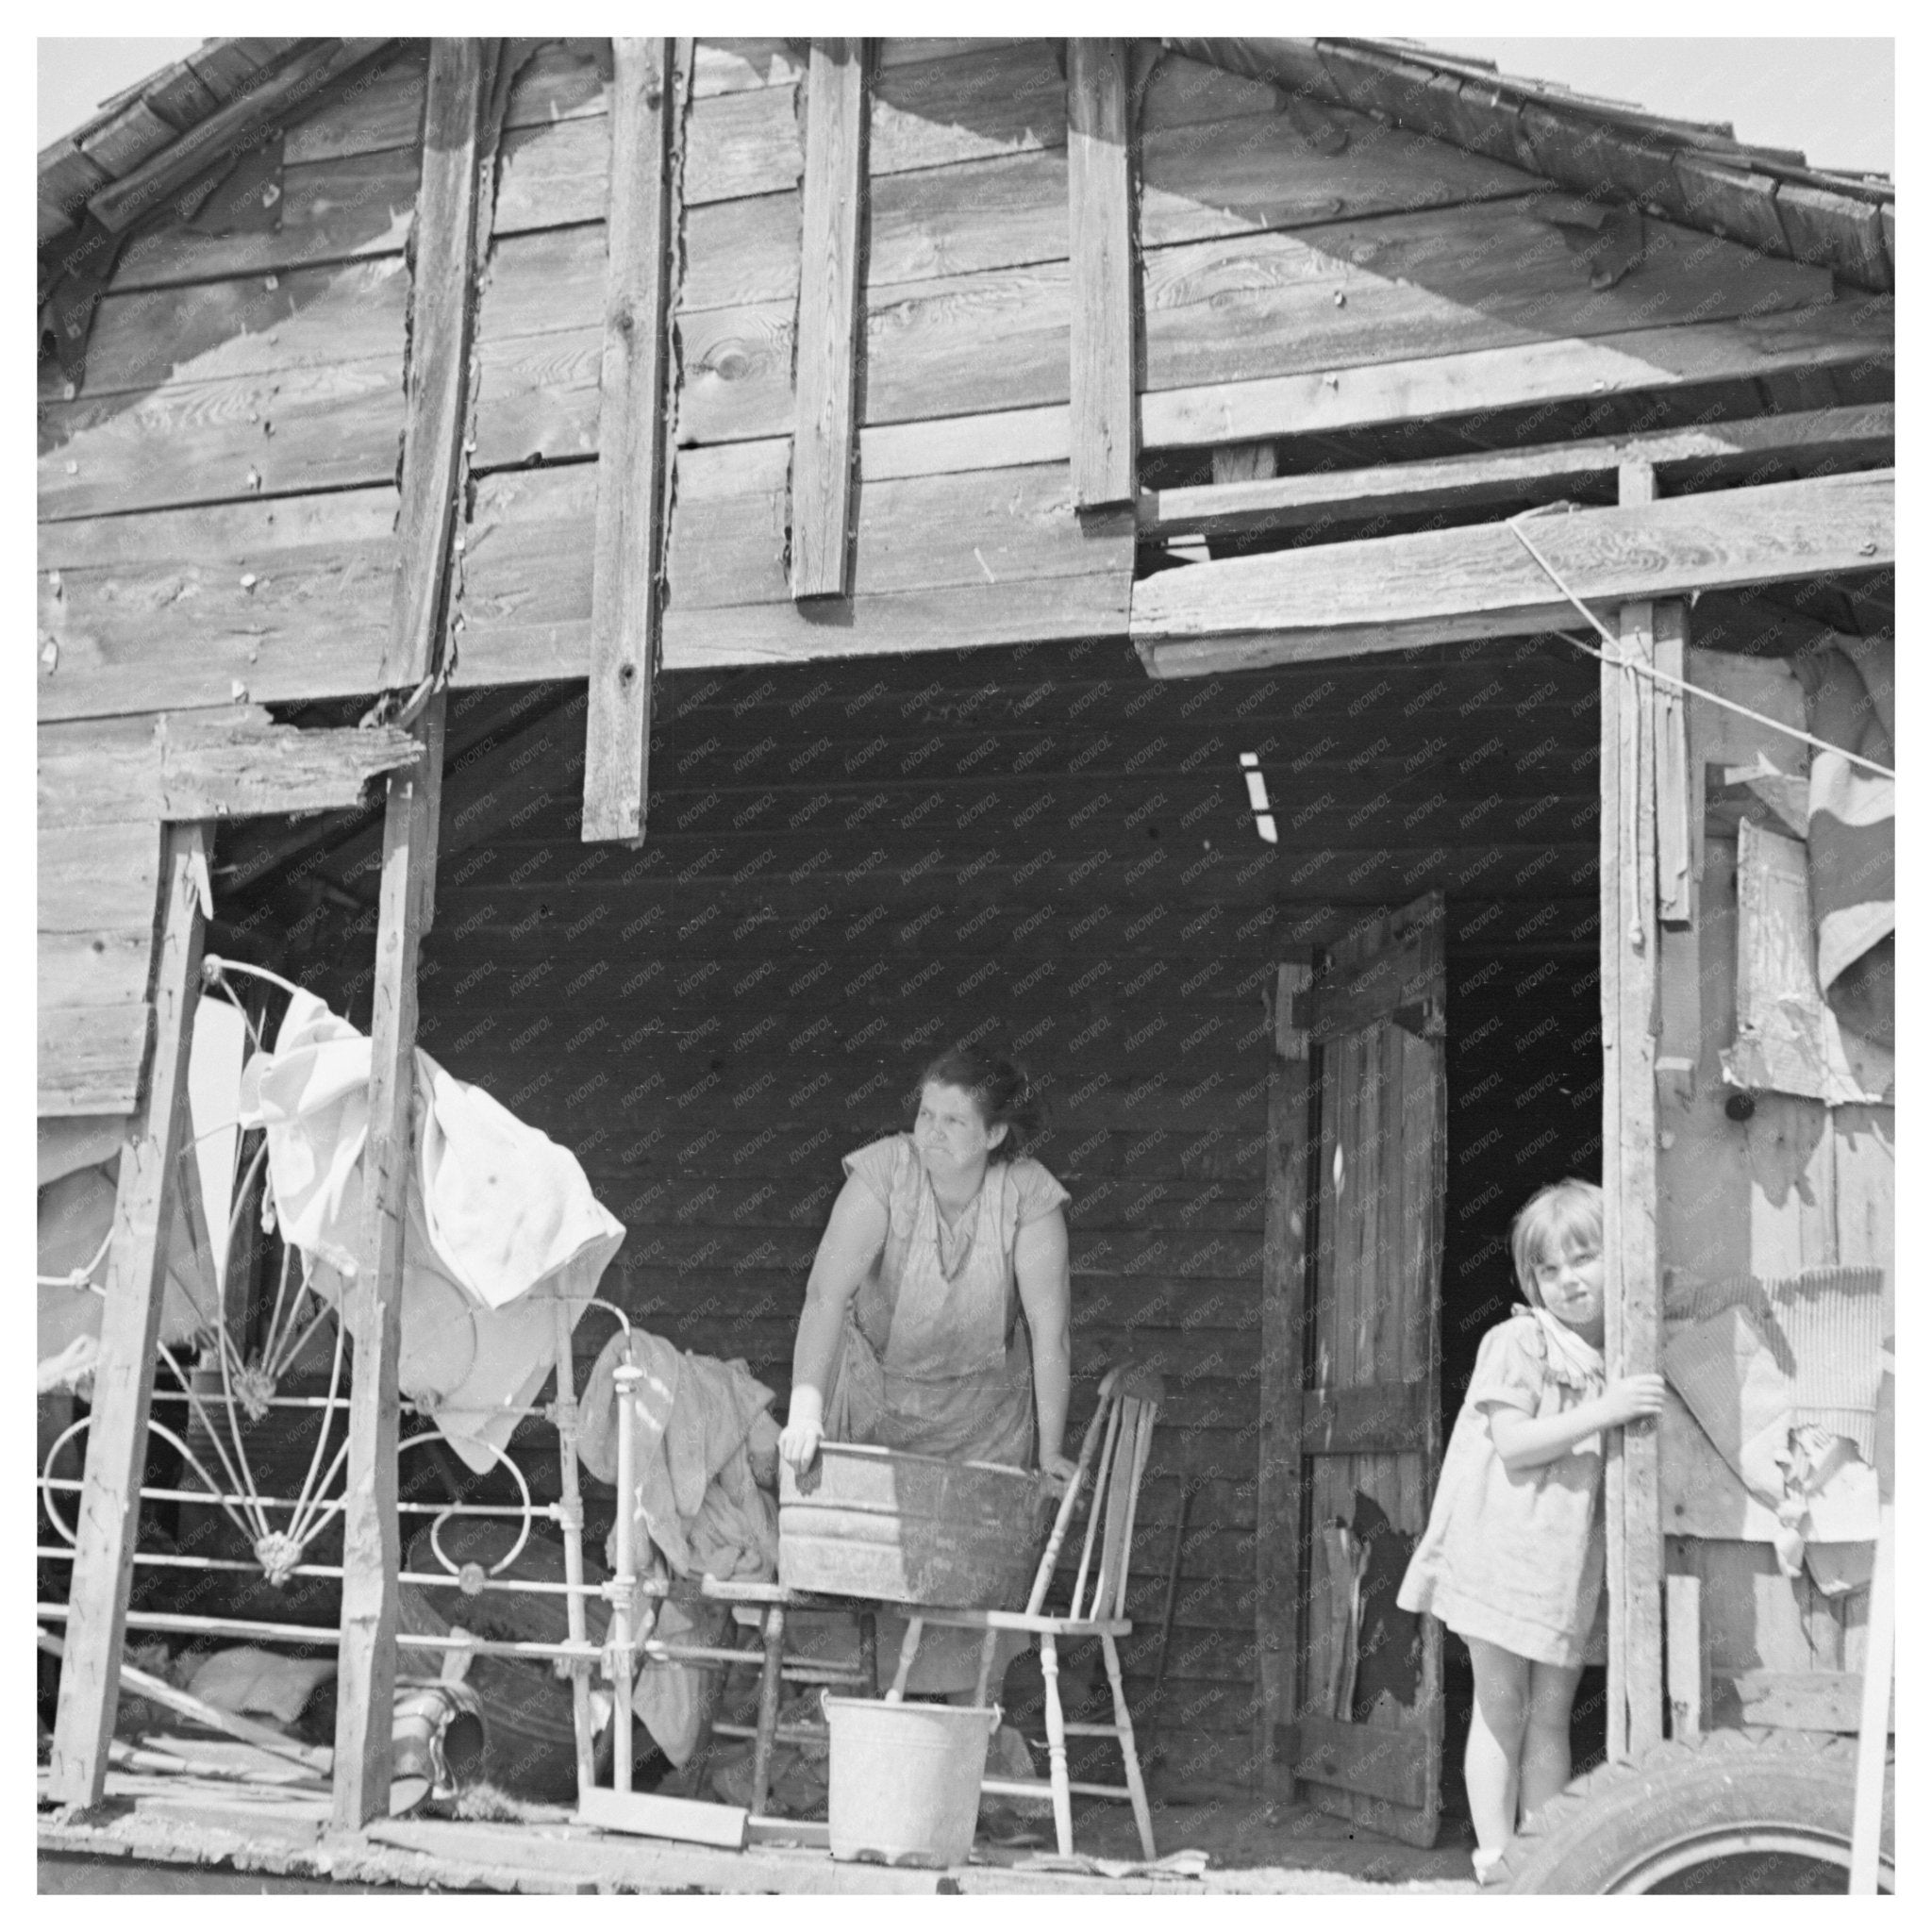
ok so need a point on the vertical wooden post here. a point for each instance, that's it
(1629, 949)
(648, 83)
(371, 1312)
(145, 1201)
(1284, 1286)
(831, 307)
(1100, 218)
(440, 294)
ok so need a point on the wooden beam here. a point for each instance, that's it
(1519, 375)
(371, 1313)
(1391, 594)
(1628, 926)
(1284, 1294)
(185, 765)
(1675, 886)
(130, 1323)
(1100, 217)
(441, 304)
(647, 87)
(284, 94)
(830, 330)
(1232, 503)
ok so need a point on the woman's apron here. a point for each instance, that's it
(936, 1359)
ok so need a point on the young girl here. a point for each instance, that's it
(1513, 1558)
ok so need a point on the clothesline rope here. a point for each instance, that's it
(1616, 655)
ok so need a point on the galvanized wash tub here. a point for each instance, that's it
(875, 1522)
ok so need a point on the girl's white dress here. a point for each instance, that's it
(1518, 1559)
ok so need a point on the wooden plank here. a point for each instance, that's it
(1790, 1700)
(647, 1815)
(824, 436)
(1841, 231)
(1554, 369)
(231, 440)
(332, 210)
(1485, 275)
(1696, 457)
(1263, 171)
(100, 878)
(325, 317)
(189, 765)
(1100, 224)
(89, 1058)
(1284, 1313)
(1373, 1759)
(1441, 586)
(1675, 882)
(371, 1313)
(176, 608)
(1731, 200)
(130, 1321)
(742, 142)
(117, 208)
(1632, 1310)
(107, 968)
(629, 536)
(1374, 1418)
(1684, 1664)
(926, 113)
(442, 303)
(1392, 983)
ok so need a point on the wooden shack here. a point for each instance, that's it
(842, 547)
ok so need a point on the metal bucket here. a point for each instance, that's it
(861, 1520)
(905, 1779)
(436, 1744)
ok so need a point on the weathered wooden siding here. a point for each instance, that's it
(1796, 1185)
(217, 495)
(849, 865)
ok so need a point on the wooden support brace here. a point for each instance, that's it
(1435, 587)
(824, 441)
(1671, 624)
(372, 1311)
(648, 82)
(1633, 1511)
(1100, 218)
(1284, 1270)
(145, 1205)
(442, 295)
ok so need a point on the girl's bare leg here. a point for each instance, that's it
(1546, 1735)
(1489, 1764)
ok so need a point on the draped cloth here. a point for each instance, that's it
(1849, 839)
(501, 1222)
(936, 1358)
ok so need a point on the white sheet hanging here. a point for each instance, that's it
(500, 1220)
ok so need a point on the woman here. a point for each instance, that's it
(937, 1244)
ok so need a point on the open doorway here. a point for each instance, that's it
(1526, 1067)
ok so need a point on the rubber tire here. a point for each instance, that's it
(1601, 1833)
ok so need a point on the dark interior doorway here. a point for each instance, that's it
(1526, 1077)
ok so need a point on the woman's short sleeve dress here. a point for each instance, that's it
(1517, 1560)
(936, 1357)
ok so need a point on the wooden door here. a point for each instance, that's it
(1352, 1444)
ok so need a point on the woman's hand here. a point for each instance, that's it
(804, 1430)
(1630, 1398)
(1057, 1472)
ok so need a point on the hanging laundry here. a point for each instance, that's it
(705, 1449)
(500, 1221)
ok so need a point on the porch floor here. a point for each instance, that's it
(284, 1839)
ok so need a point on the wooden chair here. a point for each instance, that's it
(1121, 1432)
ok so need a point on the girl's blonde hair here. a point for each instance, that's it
(1565, 1214)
